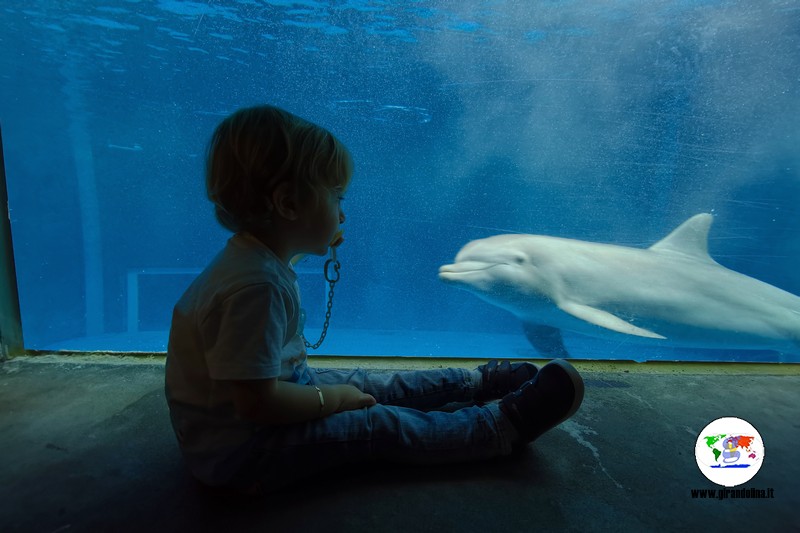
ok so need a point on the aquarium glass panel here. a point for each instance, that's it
(591, 129)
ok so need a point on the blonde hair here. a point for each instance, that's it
(255, 149)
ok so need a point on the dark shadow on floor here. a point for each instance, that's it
(88, 447)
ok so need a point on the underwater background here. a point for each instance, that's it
(608, 121)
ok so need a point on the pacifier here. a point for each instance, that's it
(337, 239)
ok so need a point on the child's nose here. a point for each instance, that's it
(341, 216)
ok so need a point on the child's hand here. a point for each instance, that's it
(351, 398)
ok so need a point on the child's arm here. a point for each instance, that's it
(273, 402)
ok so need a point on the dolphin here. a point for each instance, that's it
(670, 294)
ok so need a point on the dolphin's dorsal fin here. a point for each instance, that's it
(690, 238)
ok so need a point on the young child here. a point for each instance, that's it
(247, 410)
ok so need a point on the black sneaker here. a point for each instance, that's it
(545, 401)
(502, 377)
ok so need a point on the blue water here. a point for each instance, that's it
(604, 121)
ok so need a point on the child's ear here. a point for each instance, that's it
(284, 202)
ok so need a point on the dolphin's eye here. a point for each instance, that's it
(519, 260)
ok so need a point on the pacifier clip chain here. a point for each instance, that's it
(331, 270)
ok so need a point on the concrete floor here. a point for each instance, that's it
(87, 446)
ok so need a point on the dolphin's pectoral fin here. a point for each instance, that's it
(606, 320)
(546, 339)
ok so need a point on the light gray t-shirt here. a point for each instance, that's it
(239, 319)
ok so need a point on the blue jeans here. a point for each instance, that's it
(404, 427)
